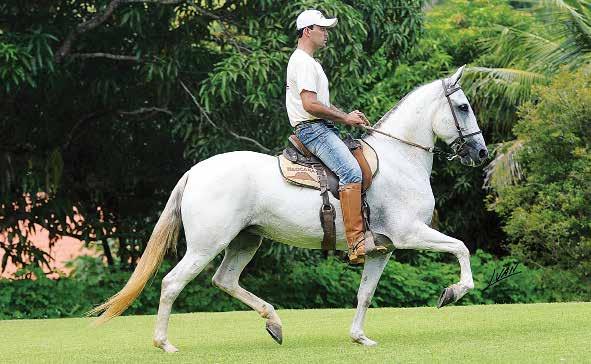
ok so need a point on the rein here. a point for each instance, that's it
(456, 145)
(434, 150)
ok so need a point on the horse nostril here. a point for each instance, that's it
(483, 153)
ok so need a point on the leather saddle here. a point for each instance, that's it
(300, 167)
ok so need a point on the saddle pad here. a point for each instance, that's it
(306, 176)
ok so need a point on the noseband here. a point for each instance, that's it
(457, 145)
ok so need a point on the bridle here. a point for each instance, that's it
(457, 145)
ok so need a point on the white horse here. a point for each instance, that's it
(230, 201)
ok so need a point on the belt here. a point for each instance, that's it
(301, 123)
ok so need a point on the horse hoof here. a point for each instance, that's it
(364, 340)
(447, 296)
(166, 346)
(275, 331)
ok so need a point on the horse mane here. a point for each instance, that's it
(386, 115)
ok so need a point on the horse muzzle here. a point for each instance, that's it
(472, 154)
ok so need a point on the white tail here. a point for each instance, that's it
(164, 237)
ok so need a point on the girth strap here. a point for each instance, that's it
(327, 212)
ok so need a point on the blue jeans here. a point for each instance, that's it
(322, 139)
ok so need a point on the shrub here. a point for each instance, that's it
(547, 215)
(327, 284)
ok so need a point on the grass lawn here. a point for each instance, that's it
(534, 333)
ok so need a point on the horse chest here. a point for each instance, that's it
(400, 199)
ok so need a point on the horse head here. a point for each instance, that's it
(456, 123)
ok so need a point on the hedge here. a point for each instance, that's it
(327, 283)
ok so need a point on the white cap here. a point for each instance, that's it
(314, 17)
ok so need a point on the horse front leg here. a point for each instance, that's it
(425, 238)
(372, 271)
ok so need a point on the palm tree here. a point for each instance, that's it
(522, 59)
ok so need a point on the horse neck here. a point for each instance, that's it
(412, 121)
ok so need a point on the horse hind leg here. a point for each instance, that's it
(172, 285)
(237, 255)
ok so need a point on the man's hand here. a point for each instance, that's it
(356, 117)
(362, 115)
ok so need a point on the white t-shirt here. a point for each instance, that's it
(304, 73)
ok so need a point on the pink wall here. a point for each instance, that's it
(64, 249)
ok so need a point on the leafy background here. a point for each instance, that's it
(106, 103)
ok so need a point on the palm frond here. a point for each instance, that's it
(512, 84)
(571, 26)
(504, 170)
(497, 92)
(517, 58)
(563, 38)
(508, 74)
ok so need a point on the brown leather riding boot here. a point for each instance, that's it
(360, 241)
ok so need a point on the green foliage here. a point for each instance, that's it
(96, 121)
(327, 283)
(551, 34)
(461, 28)
(244, 92)
(547, 215)
(85, 133)
(452, 36)
(426, 62)
(15, 67)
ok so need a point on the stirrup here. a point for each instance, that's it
(370, 245)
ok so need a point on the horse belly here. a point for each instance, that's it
(233, 191)
(289, 214)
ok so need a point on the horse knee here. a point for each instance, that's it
(458, 248)
(462, 251)
(217, 281)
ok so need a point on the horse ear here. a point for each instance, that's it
(453, 80)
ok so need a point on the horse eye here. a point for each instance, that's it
(464, 107)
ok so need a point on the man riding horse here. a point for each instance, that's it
(231, 201)
(311, 114)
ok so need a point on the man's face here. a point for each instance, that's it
(318, 36)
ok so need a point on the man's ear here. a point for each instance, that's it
(308, 29)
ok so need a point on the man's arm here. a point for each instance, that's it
(336, 108)
(316, 108)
